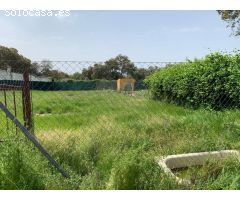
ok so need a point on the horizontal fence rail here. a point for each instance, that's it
(9, 87)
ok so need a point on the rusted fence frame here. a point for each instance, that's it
(26, 97)
(13, 88)
(9, 87)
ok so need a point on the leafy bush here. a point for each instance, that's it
(212, 82)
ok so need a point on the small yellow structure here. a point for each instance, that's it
(125, 84)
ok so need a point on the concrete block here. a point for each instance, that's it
(167, 163)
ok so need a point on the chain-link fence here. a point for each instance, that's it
(110, 134)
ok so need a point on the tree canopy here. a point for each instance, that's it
(112, 69)
(115, 68)
(232, 17)
(9, 57)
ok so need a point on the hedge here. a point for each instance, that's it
(211, 82)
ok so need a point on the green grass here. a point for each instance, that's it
(109, 140)
(212, 175)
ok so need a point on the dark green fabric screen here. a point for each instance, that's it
(73, 85)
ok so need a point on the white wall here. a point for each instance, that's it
(6, 75)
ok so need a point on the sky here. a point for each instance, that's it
(143, 36)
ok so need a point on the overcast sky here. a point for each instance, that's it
(99, 35)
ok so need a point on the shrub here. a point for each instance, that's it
(212, 82)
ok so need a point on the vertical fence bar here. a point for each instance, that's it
(27, 110)
(15, 107)
(5, 102)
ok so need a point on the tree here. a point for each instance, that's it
(87, 73)
(111, 69)
(46, 67)
(34, 68)
(9, 57)
(115, 68)
(142, 73)
(120, 66)
(232, 17)
(99, 71)
(77, 76)
(57, 75)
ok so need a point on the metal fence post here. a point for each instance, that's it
(27, 110)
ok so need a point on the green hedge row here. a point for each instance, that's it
(212, 82)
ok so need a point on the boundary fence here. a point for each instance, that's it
(86, 130)
(74, 85)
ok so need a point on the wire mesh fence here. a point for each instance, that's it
(108, 136)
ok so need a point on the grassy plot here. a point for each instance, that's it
(109, 140)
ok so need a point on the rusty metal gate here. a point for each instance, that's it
(15, 104)
(10, 93)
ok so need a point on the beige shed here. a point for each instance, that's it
(126, 84)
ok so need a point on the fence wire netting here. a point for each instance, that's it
(112, 135)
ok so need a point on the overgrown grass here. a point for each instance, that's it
(109, 140)
(222, 174)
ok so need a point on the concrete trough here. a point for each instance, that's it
(167, 163)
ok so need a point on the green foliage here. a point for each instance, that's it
(9, 57)
(113, 69)
(77, 76)
(232, 17)
(212, 82)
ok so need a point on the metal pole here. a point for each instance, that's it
(15, 107)
(27, 110)
(33, 140)
(5, 101)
